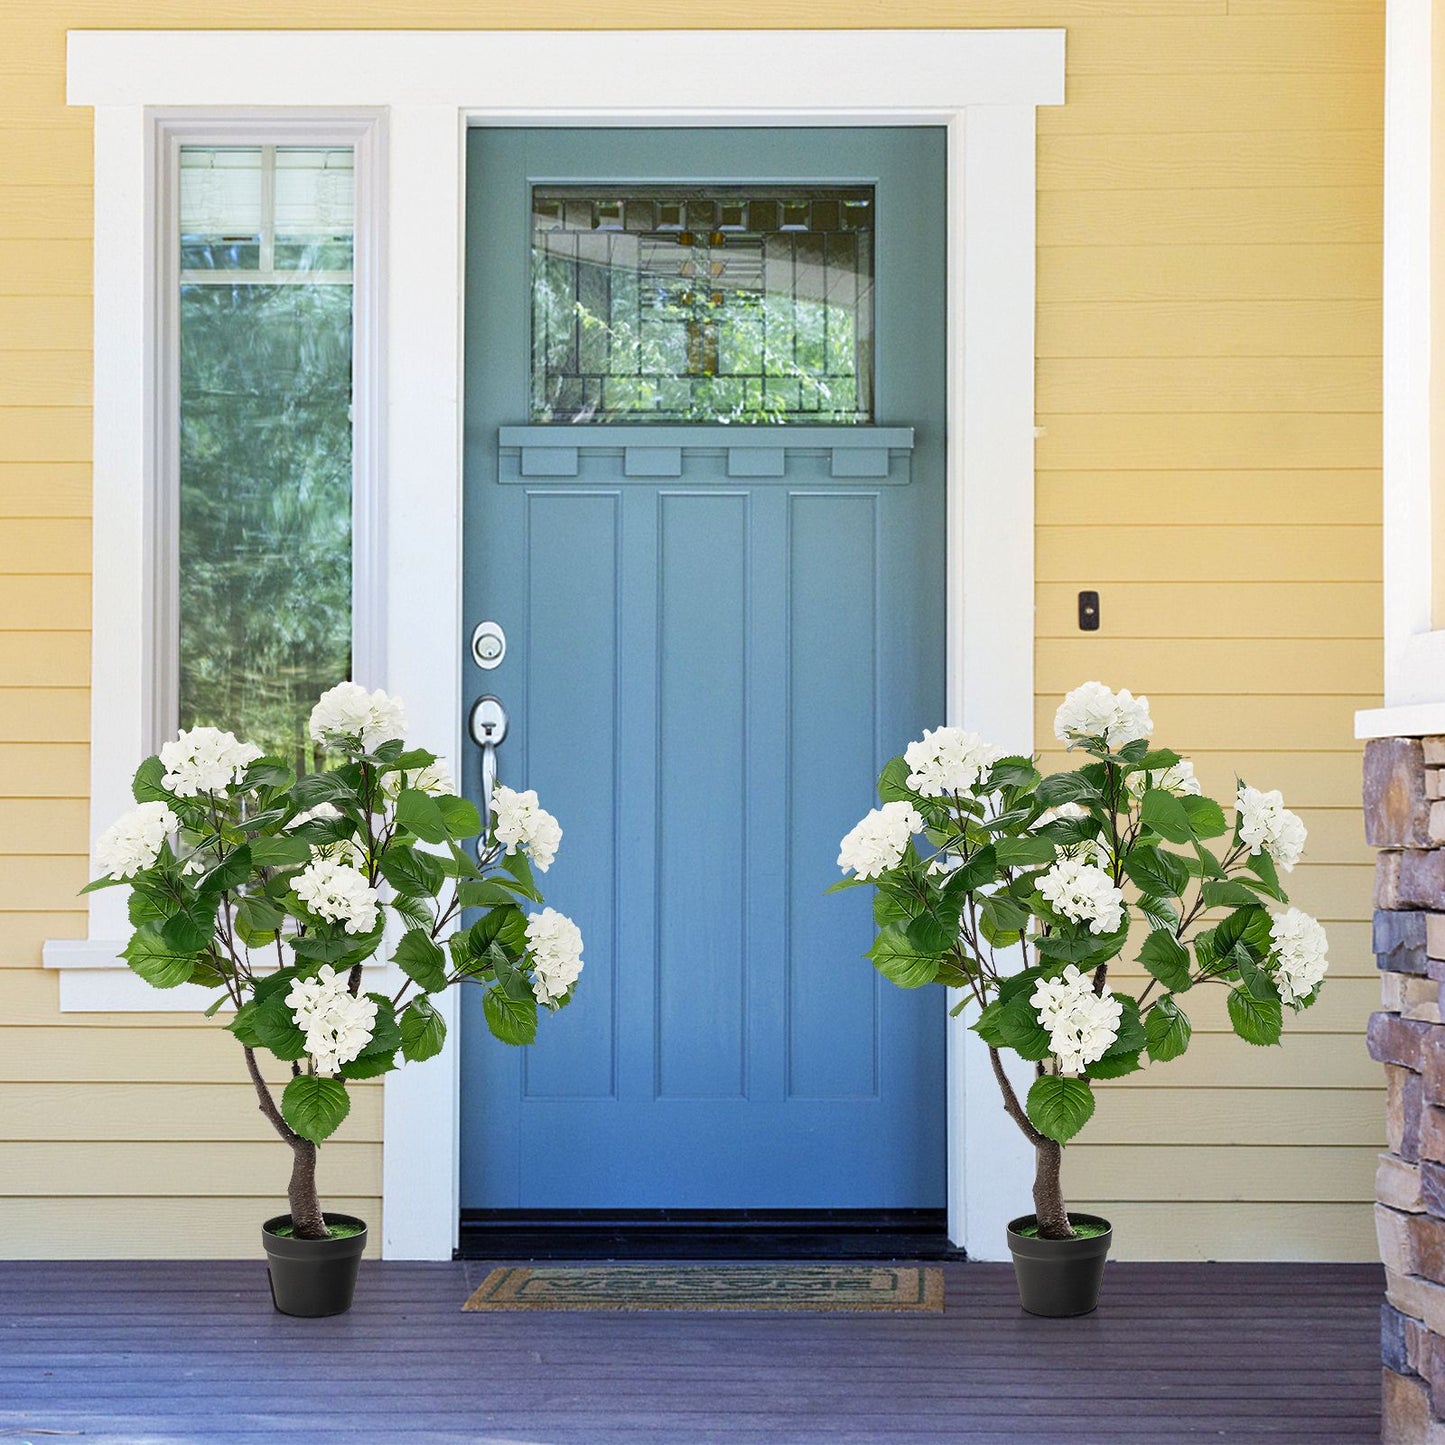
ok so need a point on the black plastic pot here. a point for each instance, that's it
(1059, 1277)
(313, 1277)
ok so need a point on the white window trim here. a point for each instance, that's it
(1414, 649)
(983, 85)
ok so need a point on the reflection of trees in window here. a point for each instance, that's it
(658, 304)
(265, 507)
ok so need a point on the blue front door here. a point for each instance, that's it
(705, 503)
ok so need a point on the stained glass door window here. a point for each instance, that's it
(734, 304)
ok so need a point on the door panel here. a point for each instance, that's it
(717, 634)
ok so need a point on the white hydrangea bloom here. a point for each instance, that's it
(1178, 778)
(204, 760)
(880, 840)
(1300, 944)
(349, 711)
(337, 1026)
(434, 779)
(331, 888)
(555, 945)
(1078, 889)
(1265, 822)
(1081, 1024)
(342, 850)
(519, 821)
(133, 842)
(948, 760)
(1092, 711)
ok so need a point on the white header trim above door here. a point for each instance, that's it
(982, 84)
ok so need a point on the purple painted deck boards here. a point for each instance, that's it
(159, 1353)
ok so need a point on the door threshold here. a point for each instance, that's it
(705, 1234)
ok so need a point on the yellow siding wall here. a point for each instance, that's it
(1209, 385)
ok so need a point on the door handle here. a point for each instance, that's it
(488, 727)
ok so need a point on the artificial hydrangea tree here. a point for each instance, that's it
(1021, 891)
(276, 890)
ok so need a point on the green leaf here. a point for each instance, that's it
(409, 870)
(1083, 948)
(1060, 1107)
(1255, 1020)
(332, 944)
(1133, 754)
(1131, 1035)
(900, 957)
(1158, 761)
(1228, 893)
(1073, 787)
(279, 852)
(461, 817)
(1018, 773)
(1153, 871)
(419, 813)
(315, 1107)
(158, 962)
(1024, 852)
(271, 773)
(486, 893)
(370, 1065)
(849, 882)
(893, 782)
(257, 920)
(893, 905)
(511, 1019)
(1206, 817)
(1167, 1029)
(1256, 980)
(1167, 959)
(1013, 1024)
(1023, 981)
(243, 1025)
(379, 1055)
(1003, 914)
(1262, 866)
(421, 959)
(278, 982)
(1114, 1066)
(519, 866)
(423, 1030)
(1159, 912)
(147, 785)
(233, 870)
(104, 881)
(1165, 814)
(274, 1027)
(192, 930)
(981, 868)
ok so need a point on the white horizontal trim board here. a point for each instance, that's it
(983, 85)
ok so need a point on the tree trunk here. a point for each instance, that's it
(1049, 1210)
(307, 1221)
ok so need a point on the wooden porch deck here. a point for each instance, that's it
(139, 1354)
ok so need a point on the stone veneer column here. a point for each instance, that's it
(1405, 818)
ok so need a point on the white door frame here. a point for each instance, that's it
(983, 85)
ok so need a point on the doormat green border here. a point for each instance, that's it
(828, 1288)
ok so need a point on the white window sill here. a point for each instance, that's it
(95, 979)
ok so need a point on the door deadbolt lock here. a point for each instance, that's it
(489, 645)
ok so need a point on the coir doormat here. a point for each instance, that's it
(851, 1289)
